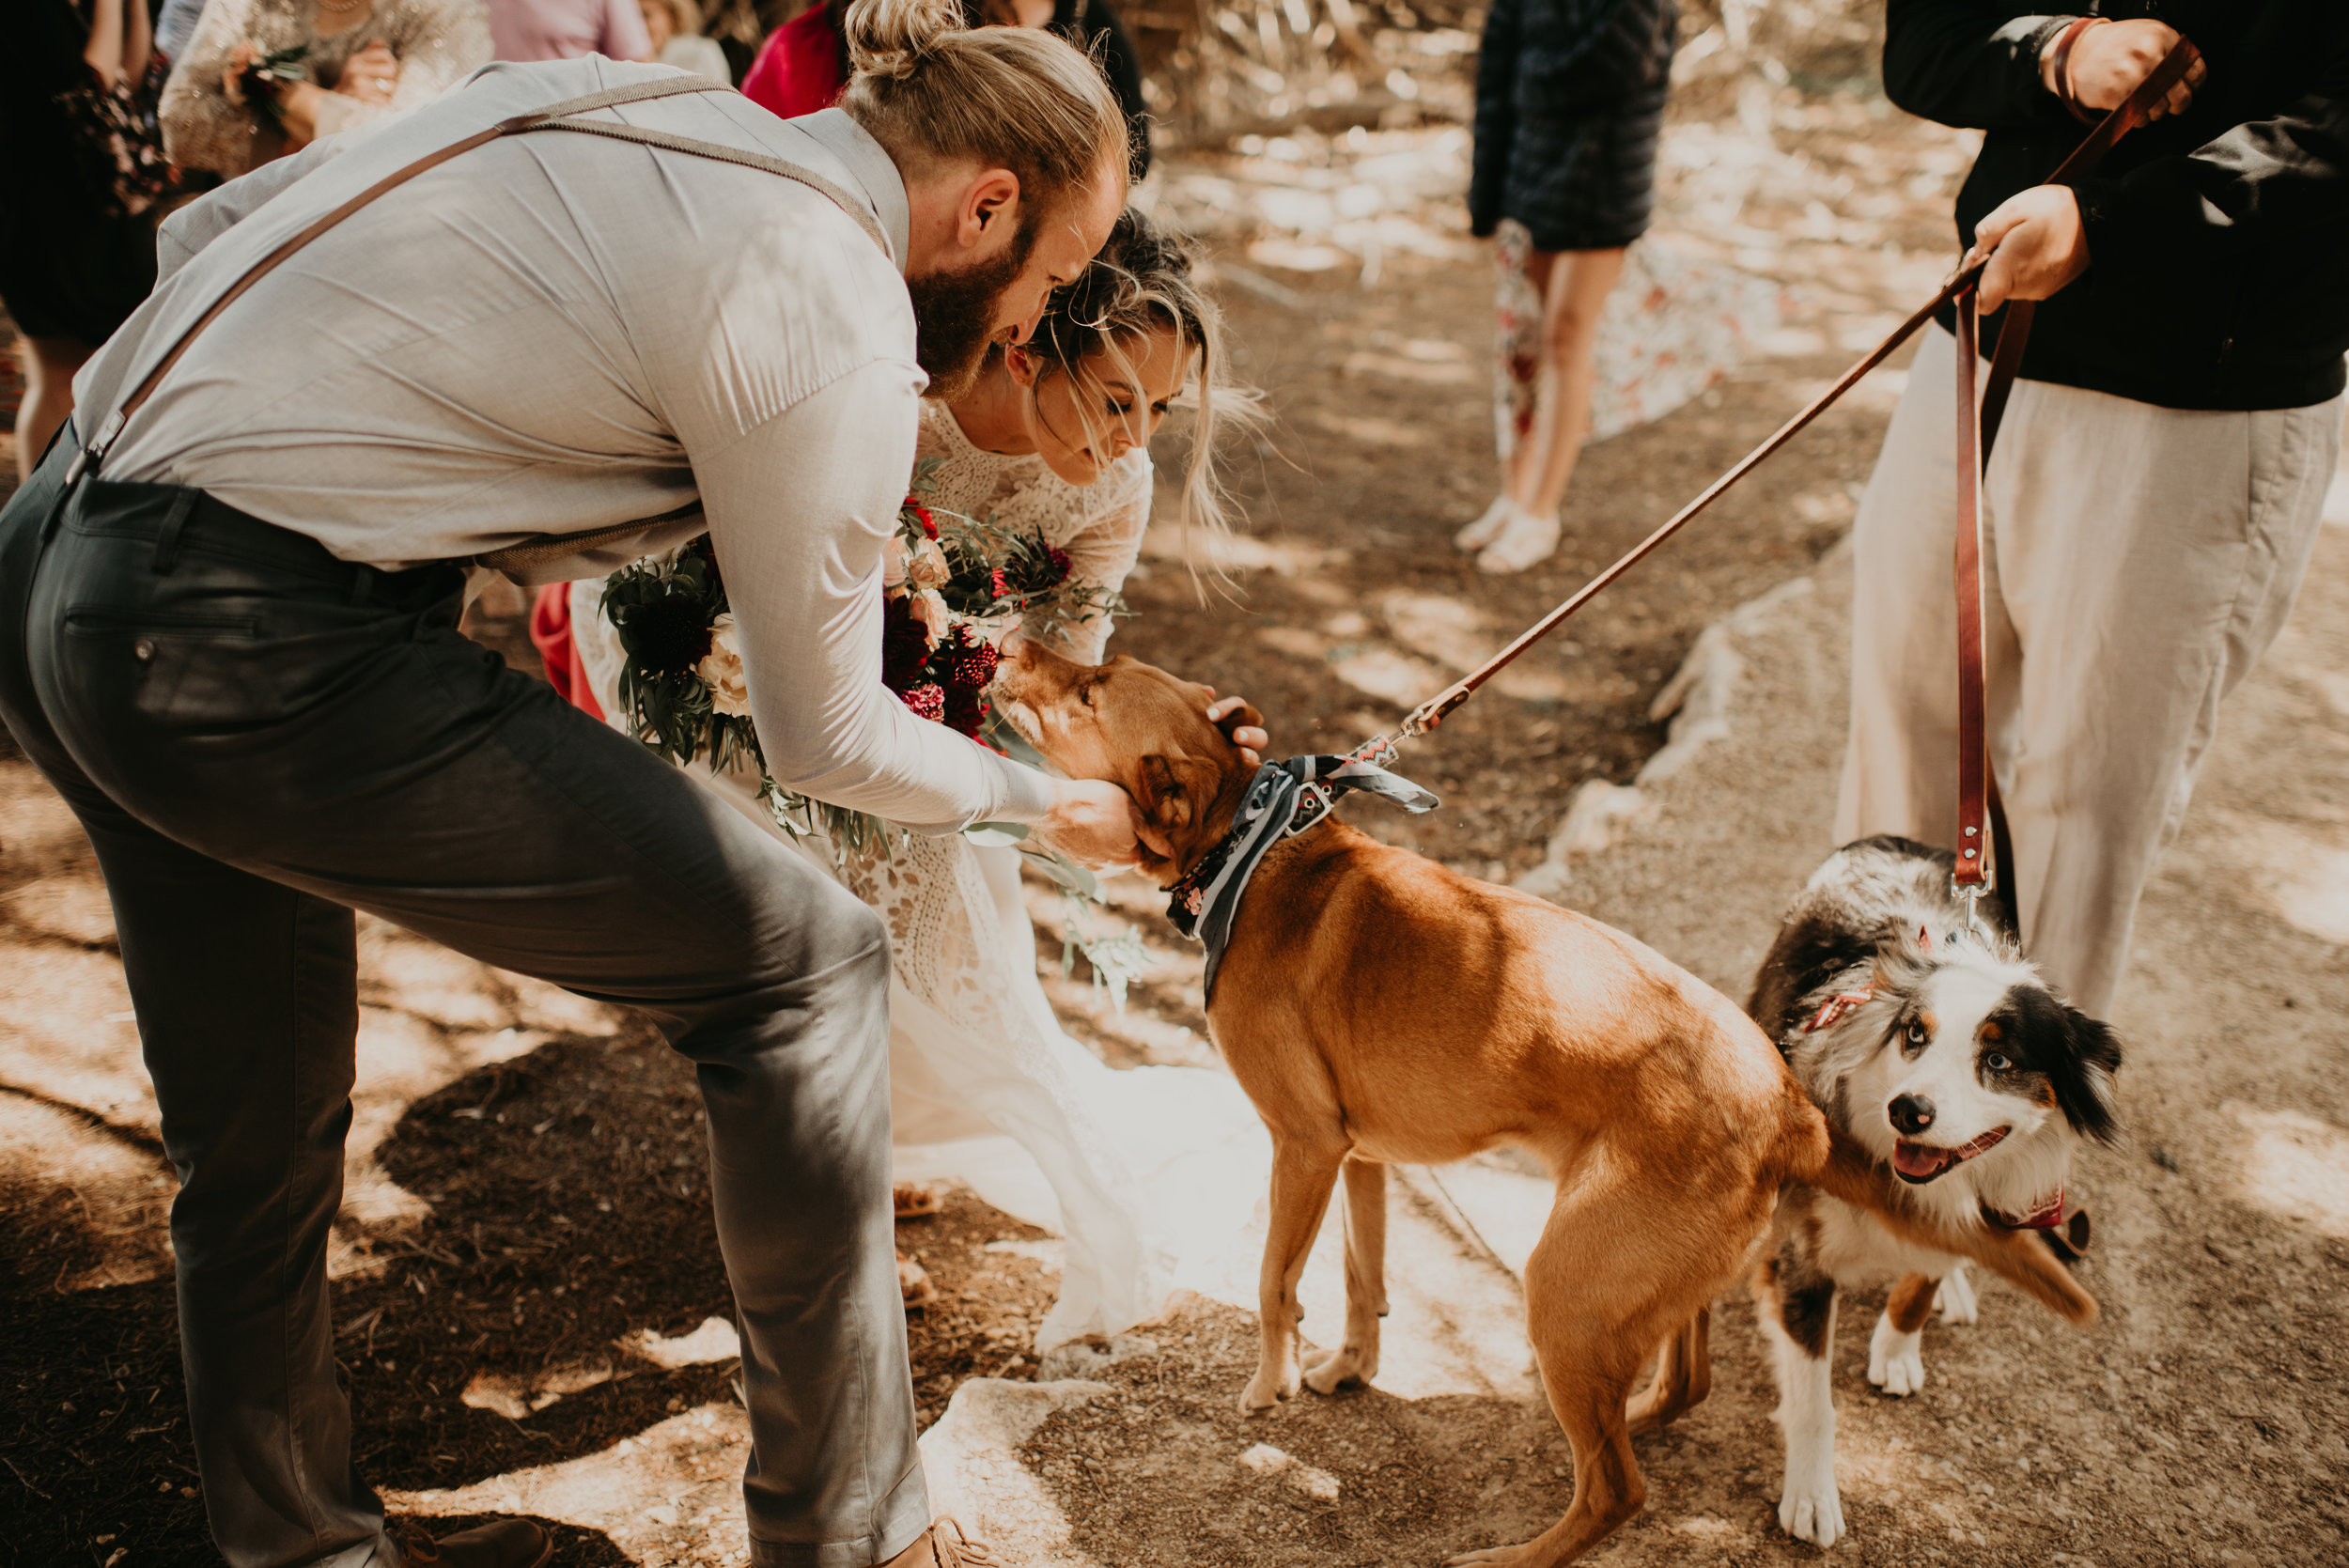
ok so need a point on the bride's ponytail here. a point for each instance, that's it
(928, 89)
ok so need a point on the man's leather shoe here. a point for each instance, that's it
(505, 1544)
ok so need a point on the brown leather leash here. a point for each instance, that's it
(1981, 820)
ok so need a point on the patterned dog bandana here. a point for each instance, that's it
(1284, 800)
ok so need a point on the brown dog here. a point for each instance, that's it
(1378, 1008)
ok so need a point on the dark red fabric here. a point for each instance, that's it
(551, 635)
(800, 68)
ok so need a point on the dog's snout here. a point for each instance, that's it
(1015, 642)
(1911, 1113)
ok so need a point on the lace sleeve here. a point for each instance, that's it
(1105, 548)
(202, 130)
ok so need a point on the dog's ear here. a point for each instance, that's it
(2082, 1077)
(1159, 790)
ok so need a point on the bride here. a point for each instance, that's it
(1150, 1170)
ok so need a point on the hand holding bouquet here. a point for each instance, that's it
(254, 75)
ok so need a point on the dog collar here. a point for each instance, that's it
(2045, 1216)
(1283, 800)
(1840, 1007)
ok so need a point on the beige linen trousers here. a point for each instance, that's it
(2137, 561)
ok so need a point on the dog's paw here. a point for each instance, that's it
(1328, 1371)
(1955, 1297)
(1263, 1391)
(1813, 1512)
(1895, 1361)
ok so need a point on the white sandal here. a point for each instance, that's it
(1528, 540)
(1484, 530)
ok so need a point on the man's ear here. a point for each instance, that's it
(990, 210)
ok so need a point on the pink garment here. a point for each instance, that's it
(567, 29)
(801, 66)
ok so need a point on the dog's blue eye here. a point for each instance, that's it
(1996, 1061)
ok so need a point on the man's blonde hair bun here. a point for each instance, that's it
(890, 37)
(930, 90)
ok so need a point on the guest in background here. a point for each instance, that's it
(803, 64)
(262, 78)
(567, 29)
(674, 27)
(1569, 102)
(174, 25)
(77, 237)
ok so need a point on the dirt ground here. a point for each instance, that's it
(526, 1270)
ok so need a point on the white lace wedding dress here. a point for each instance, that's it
(1149, 1173)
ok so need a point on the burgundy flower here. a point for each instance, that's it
(667, 636)
(1059, 558)
(929, 700)
(905, 645)
(966, 710)
(971, 663)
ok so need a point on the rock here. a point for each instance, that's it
(1266, 1459)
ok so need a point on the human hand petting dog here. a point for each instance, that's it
(1097, 824)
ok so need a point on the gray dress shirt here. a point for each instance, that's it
(557, 332)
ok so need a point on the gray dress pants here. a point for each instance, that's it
(259, 739)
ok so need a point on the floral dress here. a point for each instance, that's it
(1148, 1173)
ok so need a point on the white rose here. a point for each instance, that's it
(895, 556)
(934, 614)
(929, 568)
(722, 667)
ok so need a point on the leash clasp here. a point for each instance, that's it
(1971, 893)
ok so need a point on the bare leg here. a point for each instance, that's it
(48, 364)
(1302, 1176)
(1574, 285)
(1357, 1360)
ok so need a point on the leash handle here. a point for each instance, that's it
(1985, 849)
(1975, 873)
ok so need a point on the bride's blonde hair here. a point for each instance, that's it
(928, 89)
(1142, 283)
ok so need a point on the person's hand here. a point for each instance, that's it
(2109, 59)
(1094, 823)
(2035, 244)
(1248, 738)
(371, 76)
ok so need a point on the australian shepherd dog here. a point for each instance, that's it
(1956, 1085)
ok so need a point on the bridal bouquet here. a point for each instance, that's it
(254, 75)
(954, 587)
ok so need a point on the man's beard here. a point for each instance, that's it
(954, 316)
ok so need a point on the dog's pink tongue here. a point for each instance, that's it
(1915, 1159)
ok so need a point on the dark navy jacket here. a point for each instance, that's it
(2218, 238)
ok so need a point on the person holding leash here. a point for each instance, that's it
(228, 604)
(2154, 498)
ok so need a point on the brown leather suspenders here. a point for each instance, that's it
(558, 116)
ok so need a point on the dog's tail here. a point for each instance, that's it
(1862, 1180)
